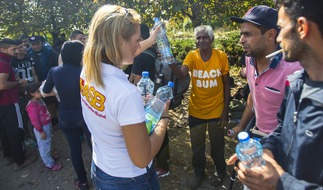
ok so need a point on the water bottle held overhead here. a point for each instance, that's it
(163, 44)
(249, 151)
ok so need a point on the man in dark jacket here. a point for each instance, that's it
(45, 57)
(293, 152)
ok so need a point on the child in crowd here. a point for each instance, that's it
(41, 120)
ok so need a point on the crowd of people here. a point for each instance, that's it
(83, 87)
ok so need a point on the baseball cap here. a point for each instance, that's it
(260, 15)
(33, 39)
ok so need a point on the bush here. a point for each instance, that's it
(225, 41)
(181, 47)
(229, 43)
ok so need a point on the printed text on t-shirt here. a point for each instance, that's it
(206, 79)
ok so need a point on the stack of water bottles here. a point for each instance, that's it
(163, 44)
(249, 151)
(154, 106)
(146, 88)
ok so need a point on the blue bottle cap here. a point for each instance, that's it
(145, 73)
(156, 19)
(170, 84)
(243, 136)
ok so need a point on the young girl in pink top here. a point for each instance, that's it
(41, 120)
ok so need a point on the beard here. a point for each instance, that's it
(296, 49)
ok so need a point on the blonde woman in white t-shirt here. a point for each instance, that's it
(112, 107)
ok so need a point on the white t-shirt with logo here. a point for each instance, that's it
(105, 110)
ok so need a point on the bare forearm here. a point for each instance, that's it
(145, 45)
(226, 90)
(247, 113)
(9, 85)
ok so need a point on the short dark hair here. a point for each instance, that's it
(18, 41)
(7, 42)
(23, 36)
(75, 33)
(310, 9)
(32, 88)
(144, 30)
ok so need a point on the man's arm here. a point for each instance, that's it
(271, 176)
(226, 94)
(136, 78)
(33, 72)
(246, 117)
(181, 73)
(5, 84)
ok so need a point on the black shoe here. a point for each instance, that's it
(81, 186)
(219, 179)
(196, 182)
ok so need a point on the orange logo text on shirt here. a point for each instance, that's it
(93, 97)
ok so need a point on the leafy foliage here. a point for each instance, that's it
(57, 16)
(225, 41)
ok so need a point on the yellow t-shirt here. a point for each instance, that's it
(207, 97)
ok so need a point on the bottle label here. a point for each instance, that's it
(150, 123)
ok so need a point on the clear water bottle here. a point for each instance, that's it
(163, 44)
(249, 151)
(155, 109)
(146, 87)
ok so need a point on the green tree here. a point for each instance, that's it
(42, 16)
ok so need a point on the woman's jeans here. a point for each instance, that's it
(44, 146)
(103, 181)
(198, 129)
(73, 135)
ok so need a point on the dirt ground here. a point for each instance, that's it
(37, 177)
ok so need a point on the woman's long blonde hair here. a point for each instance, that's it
(109, 25)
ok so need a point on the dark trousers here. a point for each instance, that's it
(73, 132)
(162, 156)
(10, 134)
(28, 127)
(198, 129)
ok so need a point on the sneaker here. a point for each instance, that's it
(195, 182)
(8, 161)
(28, 161)
(161, 172)
(56, 167)
(81, 186)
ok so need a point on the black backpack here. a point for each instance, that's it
(163, 74)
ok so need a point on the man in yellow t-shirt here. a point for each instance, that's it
(209, 102)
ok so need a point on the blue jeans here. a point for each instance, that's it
(44, 146)
(103, 181)
(73, 132)
(198, 129)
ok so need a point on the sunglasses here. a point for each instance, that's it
(126, 14)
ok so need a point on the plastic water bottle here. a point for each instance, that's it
(249, 151)
(146, 87)
(155, 109)
(163, 44)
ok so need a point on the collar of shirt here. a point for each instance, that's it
(273, 64)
